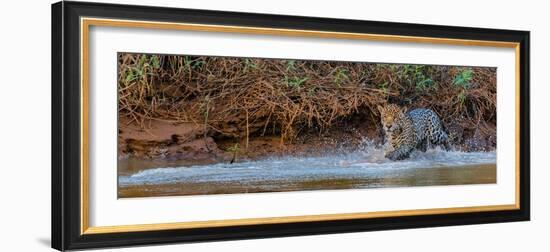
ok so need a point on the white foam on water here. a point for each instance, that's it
(368, 163)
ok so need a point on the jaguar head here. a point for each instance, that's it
(389, 114)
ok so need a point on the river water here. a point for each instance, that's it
(362, 169)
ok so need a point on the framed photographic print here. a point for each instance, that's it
(180, 125)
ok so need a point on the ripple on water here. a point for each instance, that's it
(364, 164)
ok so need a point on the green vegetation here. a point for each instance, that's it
(238, 97)
(295, 82)
(248, 65)
(290, 65)
(340, 76)
(234, 150)
(140, 71)
(191, 63)
(462, 80)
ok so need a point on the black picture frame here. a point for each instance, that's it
(66, 114)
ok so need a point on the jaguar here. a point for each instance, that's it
(407, 131)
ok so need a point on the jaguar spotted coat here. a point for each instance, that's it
(413, 130)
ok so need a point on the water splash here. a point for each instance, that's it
(368, 162)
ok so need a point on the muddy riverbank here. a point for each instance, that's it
(156, 142)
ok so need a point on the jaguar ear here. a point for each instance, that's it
(380, 109)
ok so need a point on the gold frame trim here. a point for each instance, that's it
(85, 24)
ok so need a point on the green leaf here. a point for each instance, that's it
(130, 77)
(463, 78)
(290, 65)
(155, 62)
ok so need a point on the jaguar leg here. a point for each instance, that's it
(423, 145)
(399, 153)
(443, 140)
